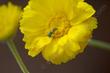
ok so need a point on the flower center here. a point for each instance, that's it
(58, 26)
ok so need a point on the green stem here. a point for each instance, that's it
(15, 53)
(99, 44)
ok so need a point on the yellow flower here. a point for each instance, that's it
(59, 29)
(9, 16)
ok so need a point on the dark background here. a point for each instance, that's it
(93, 60)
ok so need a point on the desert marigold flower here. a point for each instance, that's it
(59, 29)
(9, 16)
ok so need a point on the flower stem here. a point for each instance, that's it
(99, 44)
(16, 55)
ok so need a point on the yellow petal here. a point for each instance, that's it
(37, 45)
(61, 51)
(65, 53)
(33, 23)
(52, 7)
(52, 48)
(71, 50)
(83, 32)
(83, 12)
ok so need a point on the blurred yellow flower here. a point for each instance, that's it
(9, 16)
(59, 29)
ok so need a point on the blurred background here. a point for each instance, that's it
(93, 60)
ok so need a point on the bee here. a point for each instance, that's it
(52, 32)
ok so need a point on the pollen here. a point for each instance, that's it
(58, 26)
